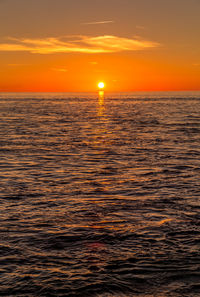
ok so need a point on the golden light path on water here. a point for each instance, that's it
(101, 103)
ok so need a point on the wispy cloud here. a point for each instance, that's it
(60, 69)
(140, 27)
(77, 44)
(98, 23)
(16, 64)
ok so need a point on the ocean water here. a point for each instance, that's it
(100, 194)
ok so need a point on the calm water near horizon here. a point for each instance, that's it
(100, 194)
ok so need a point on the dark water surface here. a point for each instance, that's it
(100, 197)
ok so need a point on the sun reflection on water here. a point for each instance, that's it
(101, 106)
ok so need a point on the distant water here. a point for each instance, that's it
(100, 194)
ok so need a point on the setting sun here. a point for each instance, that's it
(101, 85)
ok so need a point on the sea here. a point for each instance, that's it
(100, 194)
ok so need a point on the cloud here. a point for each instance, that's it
(77, 44)
(98, 23)
(15, 65)
(60, 69)
(140, 27)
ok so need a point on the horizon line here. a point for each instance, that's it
(96, 91)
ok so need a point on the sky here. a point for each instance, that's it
(71, 45)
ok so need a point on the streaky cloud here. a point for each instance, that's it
(60, 69)
(98, 23)
(140, 27)
(77, 44)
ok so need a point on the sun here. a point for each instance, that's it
(101, 85)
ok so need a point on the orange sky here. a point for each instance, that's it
(68, 46)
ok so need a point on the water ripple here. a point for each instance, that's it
(99, 198)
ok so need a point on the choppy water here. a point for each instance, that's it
(100, 197)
